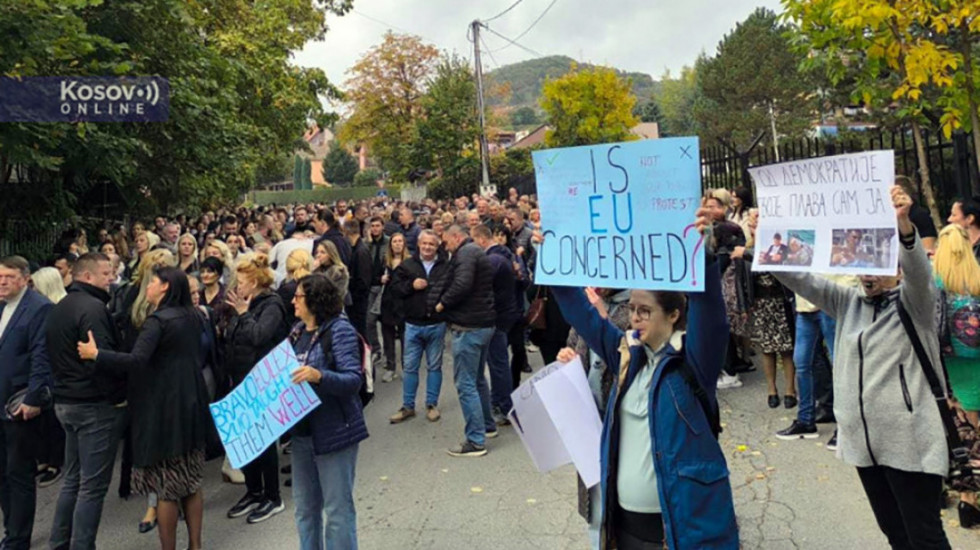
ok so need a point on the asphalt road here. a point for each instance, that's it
(411, 495)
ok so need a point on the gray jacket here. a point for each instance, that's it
(886, 413)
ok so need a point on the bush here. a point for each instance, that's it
(321, 194)
(367, 178)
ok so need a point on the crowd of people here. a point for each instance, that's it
(124, 341)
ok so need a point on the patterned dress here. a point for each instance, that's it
(173, 479)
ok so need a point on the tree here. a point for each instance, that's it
(752, 83)
(297, 172)
(676, 101)
(339, 167)
(588, 106)
(367, 178)
(890, 49)
(306, 174)
(449, 126)
(524, 116)
(385, 95)
(648, 112)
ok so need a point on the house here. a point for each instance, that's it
(319, 140)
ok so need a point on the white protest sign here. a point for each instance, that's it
(557, 420)
(827, 215)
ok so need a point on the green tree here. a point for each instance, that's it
(524, 116)
(339, 167)
(449, 126)
(297, 172)
(367, 178)
(676, 100)
(385, 95)
(648, 112)
(307, 173)
(588, 106)
(751, 83)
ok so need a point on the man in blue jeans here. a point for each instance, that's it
(87, 402)
(466, 300)
(811, 325)
(425, 331)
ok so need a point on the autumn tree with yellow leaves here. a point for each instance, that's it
(588, 106)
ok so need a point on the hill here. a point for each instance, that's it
(527, 77)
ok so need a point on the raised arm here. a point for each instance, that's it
(828, 296)
(599, 334)
(706, 323)
(146, 344)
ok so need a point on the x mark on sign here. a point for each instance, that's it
(686, 152)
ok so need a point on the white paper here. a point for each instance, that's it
(556, 418)
(827, 215)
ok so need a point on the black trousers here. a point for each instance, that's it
(18, 495)
(638, 531)
(518, 360)
(906, 506)
(390, 333)
(52, 451)
(262, 474)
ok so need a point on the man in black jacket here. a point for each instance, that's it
(87, 402)
(378, 247)
(425, 331)
(360, 278)
(328, 229)
(466, 299)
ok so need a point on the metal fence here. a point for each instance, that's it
(27, 239)
(951, 163)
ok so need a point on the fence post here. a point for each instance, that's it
(961, 165)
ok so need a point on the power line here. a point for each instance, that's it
(527, 30)
(501, 14)
(495, 64)
(380, 22)
(512, 42)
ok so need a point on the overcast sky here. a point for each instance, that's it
(634, 35)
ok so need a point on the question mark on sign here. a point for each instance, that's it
(694, 253)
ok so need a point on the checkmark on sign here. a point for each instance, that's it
(551, 161)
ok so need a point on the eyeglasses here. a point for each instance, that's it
(642, 312)
(297, 295)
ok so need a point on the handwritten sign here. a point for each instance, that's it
(262, 407)
(557, 420)
(827, 215)
(621, 215)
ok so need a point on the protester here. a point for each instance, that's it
(360, 278)
(24, 366)
(187, 257)
(686, 501)
(409, 229)
(466, 299)
(86, 402)
(51, 447)
(299, 264)
(168, 403)
(966, 214)
(328, 262)
(260, 324)
(328, 229)
(326, 441)
(901, 458)
(425, 331)
(378, 244)
(392, 321)
(918, 214)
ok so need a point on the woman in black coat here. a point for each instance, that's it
(168, 403)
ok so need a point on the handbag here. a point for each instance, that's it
(17, 399)
(536, 318)
(961, 436)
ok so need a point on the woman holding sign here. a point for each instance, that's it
(664, 399)
(325, 442)
(168, 403)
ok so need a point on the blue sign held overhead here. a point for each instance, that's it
(621, 215)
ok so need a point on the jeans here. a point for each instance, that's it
(906, 506)
(809, 328)
(92, 432)
(469, 356)
(262, 474)
(498, 362)
(372, 325)
(518, 351)
(324, 484)
(430, 339)
(18, 495)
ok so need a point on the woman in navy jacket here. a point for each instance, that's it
(664, 476)
(325, 442)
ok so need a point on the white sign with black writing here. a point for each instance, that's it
(827, 215)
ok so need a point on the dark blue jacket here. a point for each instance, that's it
(339, 420)
(692, 475)
(24, 351)
(505, 287)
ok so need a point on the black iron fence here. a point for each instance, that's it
(951, 163)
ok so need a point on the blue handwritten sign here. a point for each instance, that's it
(262, 407)
(620, 215)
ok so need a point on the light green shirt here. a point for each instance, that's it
(636, 478)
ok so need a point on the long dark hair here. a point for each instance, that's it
(323, 298)
(744, 194)
(178, 289)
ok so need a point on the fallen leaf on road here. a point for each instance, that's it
(531, 501)
(476, 489)
(445, 470)
(756, 453)
(823, 478)
(742, 448)
(770, 468)
(724, 424)
(760, 476)
(384, 478)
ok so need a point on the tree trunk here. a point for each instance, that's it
(920, 152)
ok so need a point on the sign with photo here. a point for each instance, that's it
(827, 215)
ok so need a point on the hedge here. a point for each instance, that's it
(264, 198)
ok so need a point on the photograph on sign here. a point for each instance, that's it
(620, 215)
(827, 215)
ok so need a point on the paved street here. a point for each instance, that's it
(411, 495)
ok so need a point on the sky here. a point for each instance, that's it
(646, 36)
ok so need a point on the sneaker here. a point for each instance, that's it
(492, 433)
(527, 368)
(726, 381)
(432, 413)
(499, 417)
(402, 415)
(532, 348)
(287, 469)
(245, 505)
(48, 477)
(468, 449)
(266, 510)
(388, 376)
(288, 482)
(798, 430)
(832, 444)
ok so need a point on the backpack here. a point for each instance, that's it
(367, 363)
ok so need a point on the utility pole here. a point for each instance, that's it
(775, 137)
(484, 148)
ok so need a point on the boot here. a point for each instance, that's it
(969, 515)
